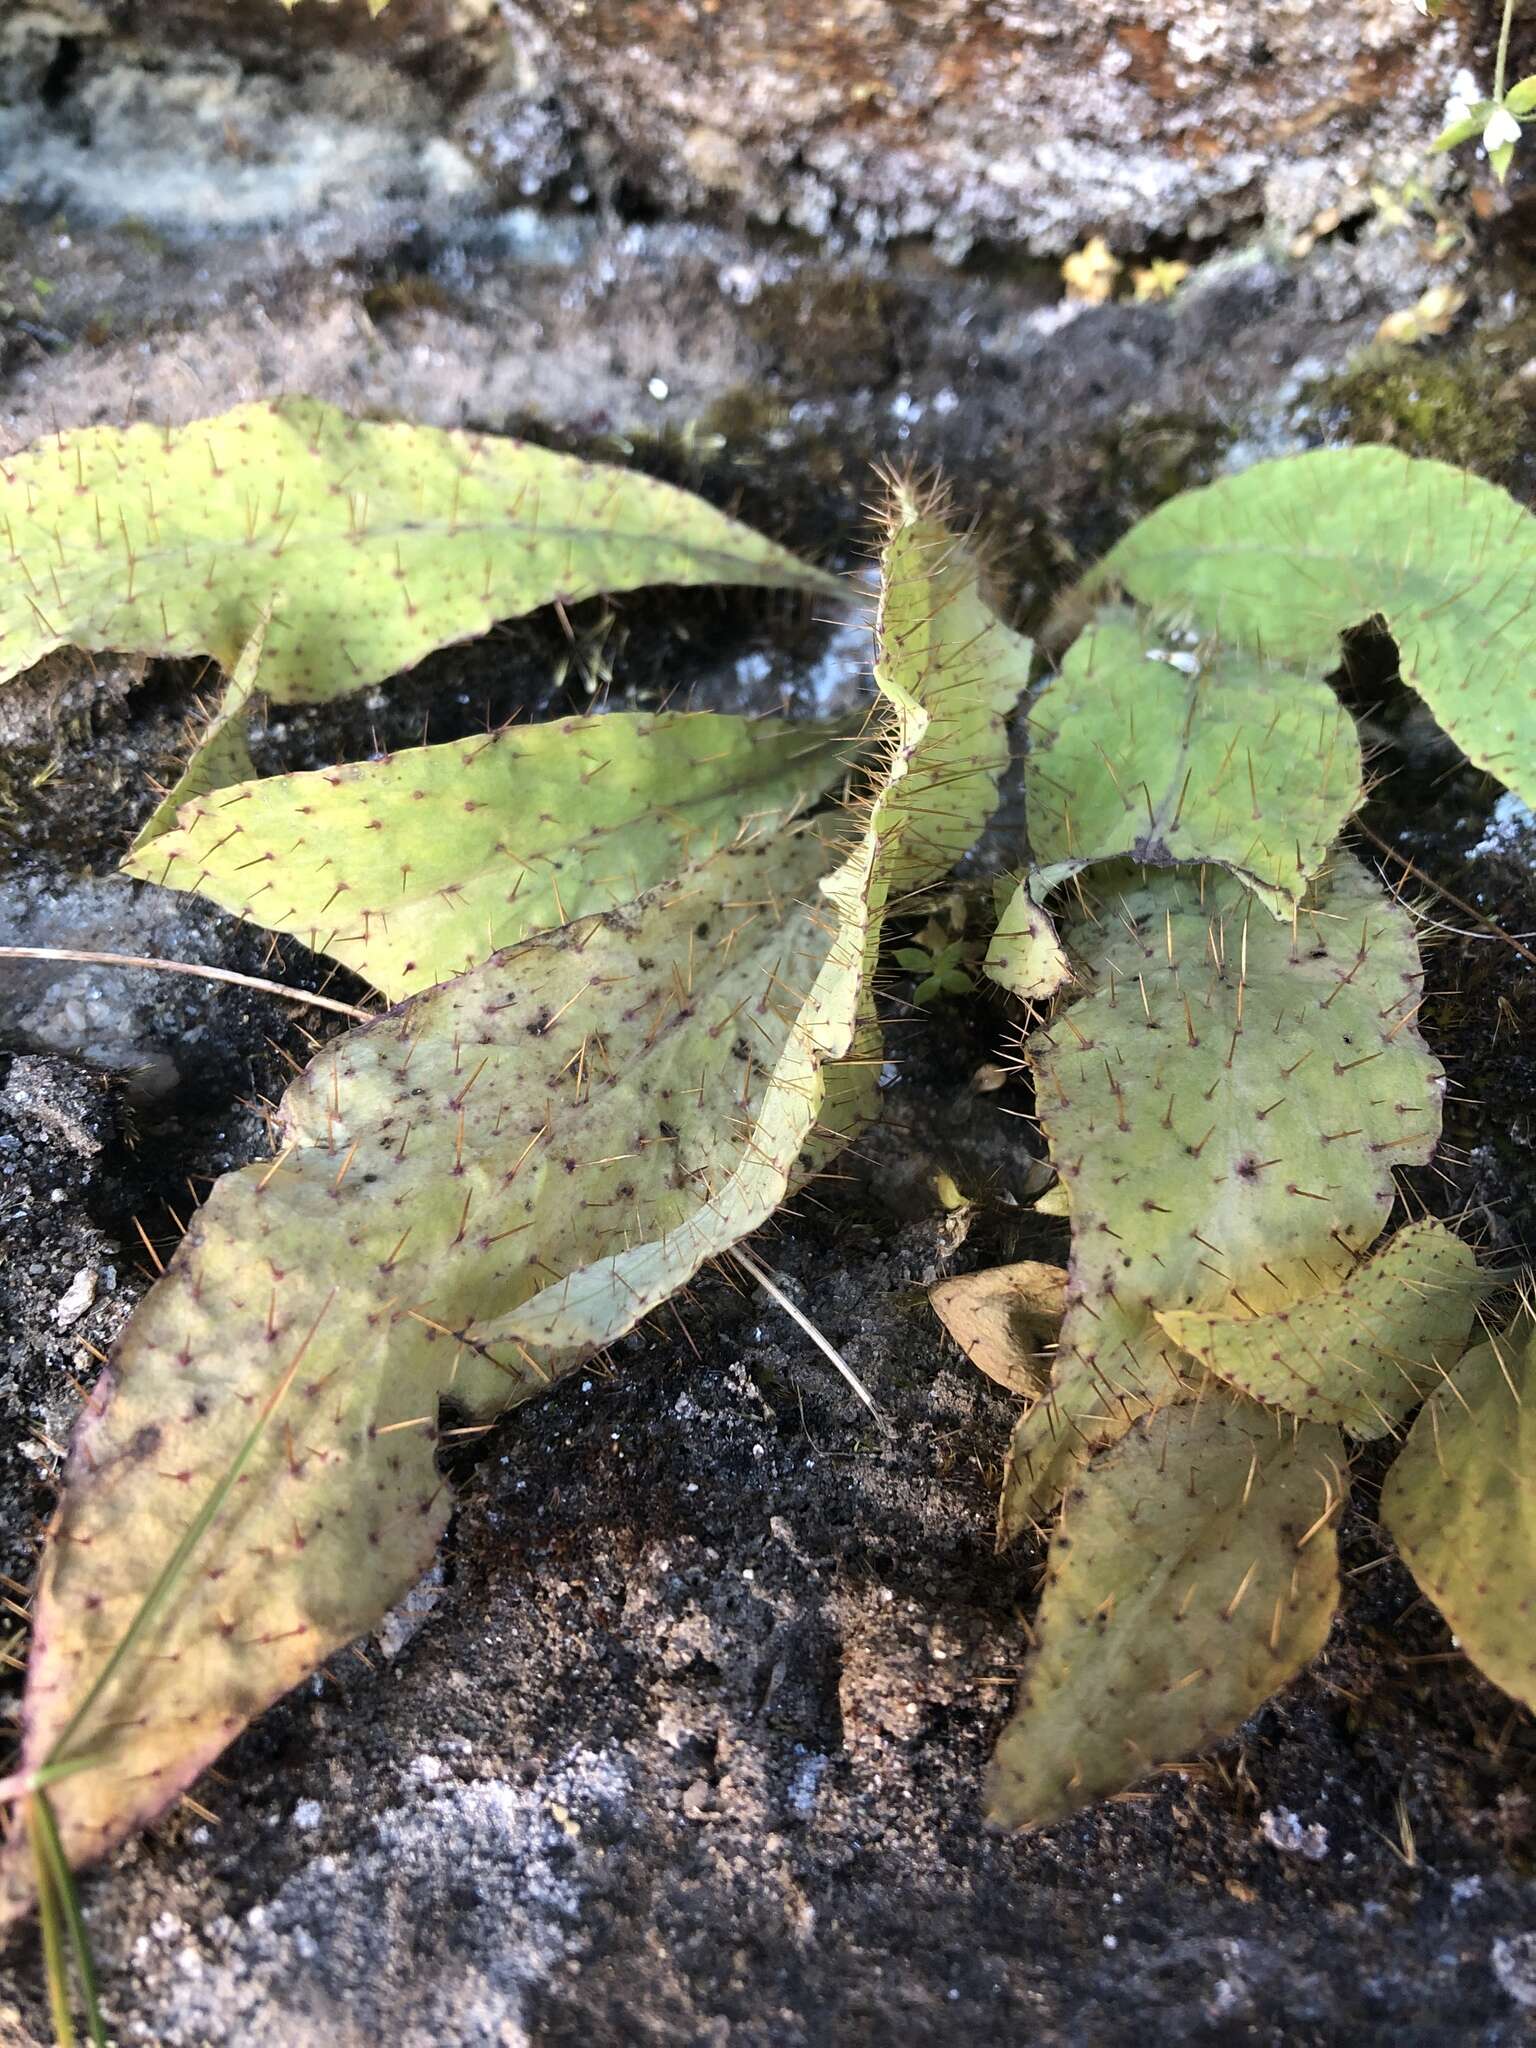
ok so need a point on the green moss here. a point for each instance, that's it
(829, 331)
(1467, 406)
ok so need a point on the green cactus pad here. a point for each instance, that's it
(473, 1194)
(1362, 1354)
(1025, 955)
(1285, 556)
(1194, 1572)
(383, 541)
(1226, 1109)
(1167, 752)
(412, 868)
(221, 754)
(1460, 1503)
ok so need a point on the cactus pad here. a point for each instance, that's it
(1285, 556)
(221, 752)
(1169, 752)
(1460, 1502)
(384, 541)
(438, 1168)
(1025, 955)
(1362, 1354)
(412, 868)
(1226, 1109)
(1194, 1571)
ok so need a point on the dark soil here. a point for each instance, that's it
(688, 1744)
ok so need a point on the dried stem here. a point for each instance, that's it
(251, 981)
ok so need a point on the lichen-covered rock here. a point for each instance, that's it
(1030, 123)
(957, 119)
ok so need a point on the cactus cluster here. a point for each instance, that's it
(1226, 1108)
(634, 962)
(1227, 1086)
(497, 1178)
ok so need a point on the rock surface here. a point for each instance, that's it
(1020, 123)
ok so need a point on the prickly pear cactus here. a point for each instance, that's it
(1166, 748)
(1226, 1110)
(1025, 955)
(1285, 556)
(1006, 1320)
(384, 541)
(472, 1195)
(221, 752)
(1362, 1354)
(416, 866)
(1194, 1571)
(1460, 1503)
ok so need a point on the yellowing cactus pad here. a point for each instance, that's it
(1006, 1320)
(383, 541)
(1194, 1571)
(1226, 1110)
(1460, 1503)
(1362, 1354)
(1025, 955)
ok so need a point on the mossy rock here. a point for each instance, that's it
(1466, 406)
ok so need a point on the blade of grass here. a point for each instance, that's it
(53, 1943)
(79, 1940)
(194, 1533)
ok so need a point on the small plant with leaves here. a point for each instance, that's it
(1497, 121)
(942, 958)
(632, 961)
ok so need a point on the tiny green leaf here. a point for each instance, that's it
(1463, 130)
